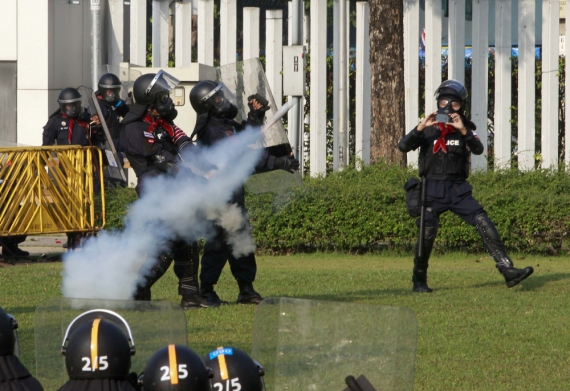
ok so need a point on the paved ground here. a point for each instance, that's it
(41, 248)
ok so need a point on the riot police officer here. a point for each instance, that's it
(13, 374)
(445, 148)
(113, 108)
(176, 367)
(98, 346)
(234, 369)
(216, 107)
(69, 125)
(152, 143)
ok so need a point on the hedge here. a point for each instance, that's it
(364, 211)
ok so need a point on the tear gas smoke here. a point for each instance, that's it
(170, 208)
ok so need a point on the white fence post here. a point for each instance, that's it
(115, 32)
(433, 52)
(206, 32)
(183, 33)
(480, 78)
(411, 69)
(336, 78)
(228, 30)
(567, 100)
(137, 48)
(502, 125)
(250, 32)
(274, 53)
(549, 123)
(160, 33)
(363, 87)
(318, 118)
(456, 38)
(526, 85)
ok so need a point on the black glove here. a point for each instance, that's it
(287, 163)
(163, 165)
(257, 115)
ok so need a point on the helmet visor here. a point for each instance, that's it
(221, 98)
(71, 109)
(165, 80)
(16, 341)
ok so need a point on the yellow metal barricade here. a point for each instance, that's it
(50, 190)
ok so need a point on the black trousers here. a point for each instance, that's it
(216, 253)
(454, 196)
(186, 259)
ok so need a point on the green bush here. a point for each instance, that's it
(364, 211)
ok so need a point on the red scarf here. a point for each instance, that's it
(444, 130)
(73, 122)
(174, 131)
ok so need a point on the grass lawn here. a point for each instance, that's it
(474, 333)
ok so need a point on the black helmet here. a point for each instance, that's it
(110, 88)
(8, 336)
(174, 368)
(70, 102)
(98, 344)
(233, 366)
(452, 88)
(149, 87)
(209, 96)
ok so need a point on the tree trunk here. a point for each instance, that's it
(387, 69)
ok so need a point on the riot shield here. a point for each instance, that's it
(247, 78)
(316, 345)
(153, 325)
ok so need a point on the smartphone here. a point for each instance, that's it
(443, 118)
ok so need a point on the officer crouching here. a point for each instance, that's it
(446, 139)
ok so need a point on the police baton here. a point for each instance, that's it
(423, 196)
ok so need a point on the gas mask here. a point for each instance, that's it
(448, 104)
(165, 107)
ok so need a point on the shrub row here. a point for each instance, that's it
(363, 211)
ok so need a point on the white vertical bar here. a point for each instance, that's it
(228, 31)
(567, 99)
(138, 33)
(250, 32)
(274, 53)
(183, 33)
(159, 33)
(293, 114)
(480, 78)
(206, 32)
(549, 122)
(115, 33)
(336, 72)
(343, 86)
(456, 34)
(433, 52)
(363, 88)
(411, 68)
(318, 118)
(526, 85)
(502, 124)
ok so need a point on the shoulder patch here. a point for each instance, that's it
(148, 134)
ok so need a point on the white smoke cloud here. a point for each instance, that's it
(108, 266)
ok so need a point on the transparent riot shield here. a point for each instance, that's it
(153, 325)
(247, 78)
(316, 345)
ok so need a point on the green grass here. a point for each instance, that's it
(474, 333)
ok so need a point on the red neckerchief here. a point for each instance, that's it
(174, 131)
(71, 123)
(444, 130)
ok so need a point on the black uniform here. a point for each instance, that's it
(444, 161)
(62, 130)
(144, 141)
(217, 251)
(113, 114)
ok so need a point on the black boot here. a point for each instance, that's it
(513, 275)
(494, 245)
(208, 293)
(194, 301)
(419, 277)
(13, 251)
(247, 295)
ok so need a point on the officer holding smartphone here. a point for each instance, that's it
(446, 139)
